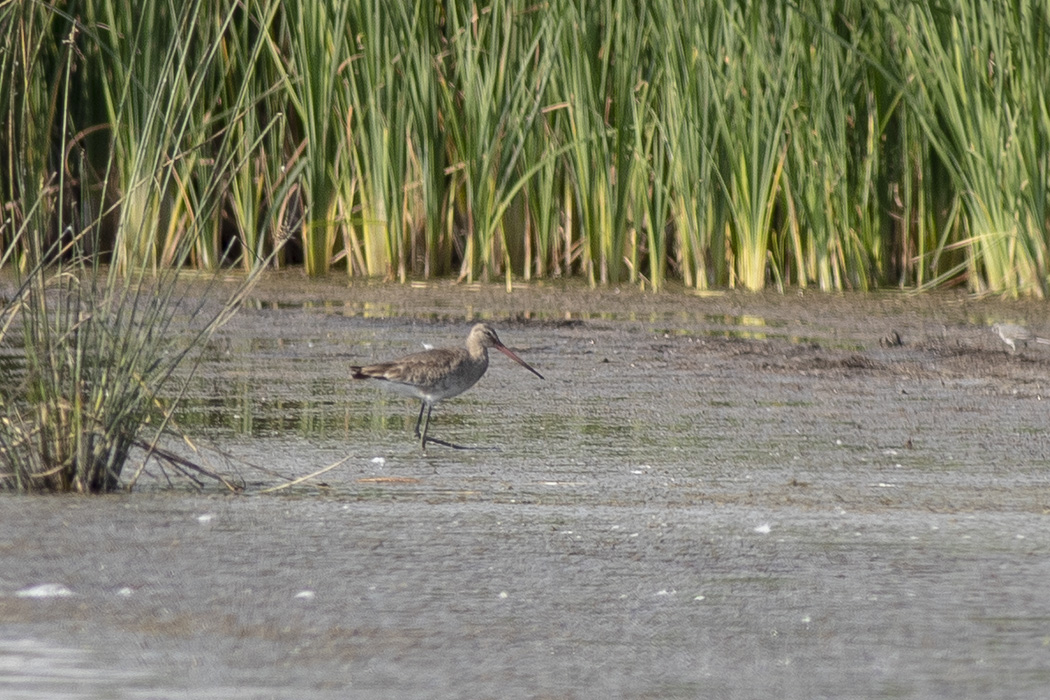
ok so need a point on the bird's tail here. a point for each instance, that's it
(1044, 341)
(356, 373)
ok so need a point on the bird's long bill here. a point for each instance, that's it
(506, 351)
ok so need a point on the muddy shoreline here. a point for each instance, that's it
(720, 495)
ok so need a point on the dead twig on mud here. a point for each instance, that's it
(185, 466)
(301, 479)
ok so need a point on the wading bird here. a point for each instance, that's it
(434, 375)
(1011, 334)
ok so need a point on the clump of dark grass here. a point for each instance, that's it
(87, 348)
(90, 351)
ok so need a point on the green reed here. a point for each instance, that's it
(686, 95)
(980, 69)
(847, 145)
(309, 47)
(492, 79)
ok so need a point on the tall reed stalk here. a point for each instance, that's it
(492, 82)
(832, 231)
(602, 65)
(755, 94)
(262, 179)
(687, 124)
(309, 49)
(979, 69)
(424, 193)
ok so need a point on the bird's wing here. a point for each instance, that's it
(413, 369)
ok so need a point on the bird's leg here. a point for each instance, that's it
(423, 439)
(426, 425)
(420, 419)
(443, 443)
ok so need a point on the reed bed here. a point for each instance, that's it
(844, 145)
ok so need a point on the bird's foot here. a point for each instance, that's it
(454, 446)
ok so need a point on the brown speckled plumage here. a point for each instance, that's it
(434, 375)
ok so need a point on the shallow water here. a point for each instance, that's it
(691, 505)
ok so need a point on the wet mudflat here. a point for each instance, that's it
(728, 496)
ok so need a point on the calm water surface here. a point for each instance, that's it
(730, 497)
